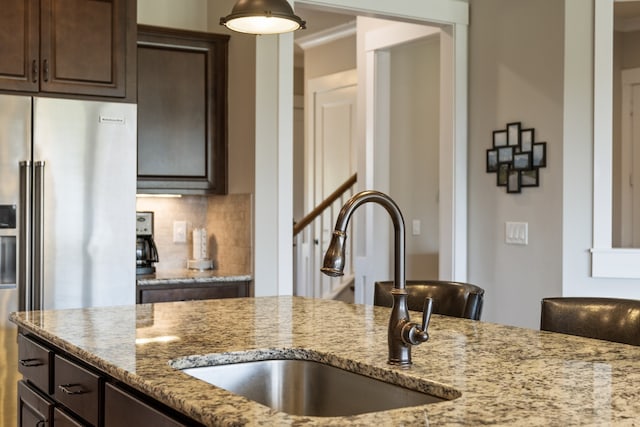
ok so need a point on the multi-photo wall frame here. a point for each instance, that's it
(516, 158)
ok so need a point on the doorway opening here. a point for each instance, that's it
(387, 153)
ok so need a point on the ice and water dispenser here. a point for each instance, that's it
(8, 233)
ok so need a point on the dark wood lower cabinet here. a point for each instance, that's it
(82, 395)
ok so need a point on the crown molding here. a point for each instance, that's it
(327, 36)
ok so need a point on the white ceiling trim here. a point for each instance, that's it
(327, 36)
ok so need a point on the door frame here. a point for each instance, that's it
(453, 156)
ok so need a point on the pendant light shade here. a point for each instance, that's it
(262, 17)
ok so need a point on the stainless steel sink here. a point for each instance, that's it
(303, 387)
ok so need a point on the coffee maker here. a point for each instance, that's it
(146, 251)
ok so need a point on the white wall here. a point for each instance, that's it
(414, 154)
(329, 58)
(516, 74)
(185, 14)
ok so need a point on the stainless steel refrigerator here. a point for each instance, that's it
(67, 212)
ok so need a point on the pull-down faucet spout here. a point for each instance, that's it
(402, 332)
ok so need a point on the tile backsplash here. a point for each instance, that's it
(228, 220)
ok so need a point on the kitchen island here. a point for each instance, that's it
(501, 375)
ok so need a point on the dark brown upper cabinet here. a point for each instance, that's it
(79, 47)
(182, 111)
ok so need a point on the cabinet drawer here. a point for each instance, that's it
(33, 409)
(124, 409)
(77, 389)
(34, 363)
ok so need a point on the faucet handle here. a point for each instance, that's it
(426, 313)
(414, 334)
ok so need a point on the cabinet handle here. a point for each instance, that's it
(41, 423)
(72, 389)
(34, 71)
(30, 362)
(45, 70)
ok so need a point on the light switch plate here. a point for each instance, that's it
(516, 233)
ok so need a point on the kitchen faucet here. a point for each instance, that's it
(402, 332)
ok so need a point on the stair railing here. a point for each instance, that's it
(311, 238)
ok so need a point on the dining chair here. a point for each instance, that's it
(610, 319)
(449, 298)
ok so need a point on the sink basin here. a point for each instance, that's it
(309, 388)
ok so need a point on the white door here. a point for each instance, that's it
(335, 124)
(331, 130)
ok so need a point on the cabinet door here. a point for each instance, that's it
(33, 409)
(62, 419)
(19, 29)
(83, 46)
(182, 146)
(123, 409)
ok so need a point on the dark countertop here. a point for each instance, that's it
(503, 375)
(187, 276)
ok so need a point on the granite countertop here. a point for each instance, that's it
(504, 375)
(187, 276)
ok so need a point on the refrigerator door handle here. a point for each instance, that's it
(38, 235)
(24, 236)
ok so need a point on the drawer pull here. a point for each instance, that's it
(30, 362)
(34, 71)
(45, 70)
(72, 389)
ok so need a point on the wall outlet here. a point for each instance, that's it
(179, 231)
(517, 233)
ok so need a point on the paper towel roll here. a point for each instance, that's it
(199, 243)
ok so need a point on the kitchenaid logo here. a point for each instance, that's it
(112, 120)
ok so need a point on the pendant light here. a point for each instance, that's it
(262, 17)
